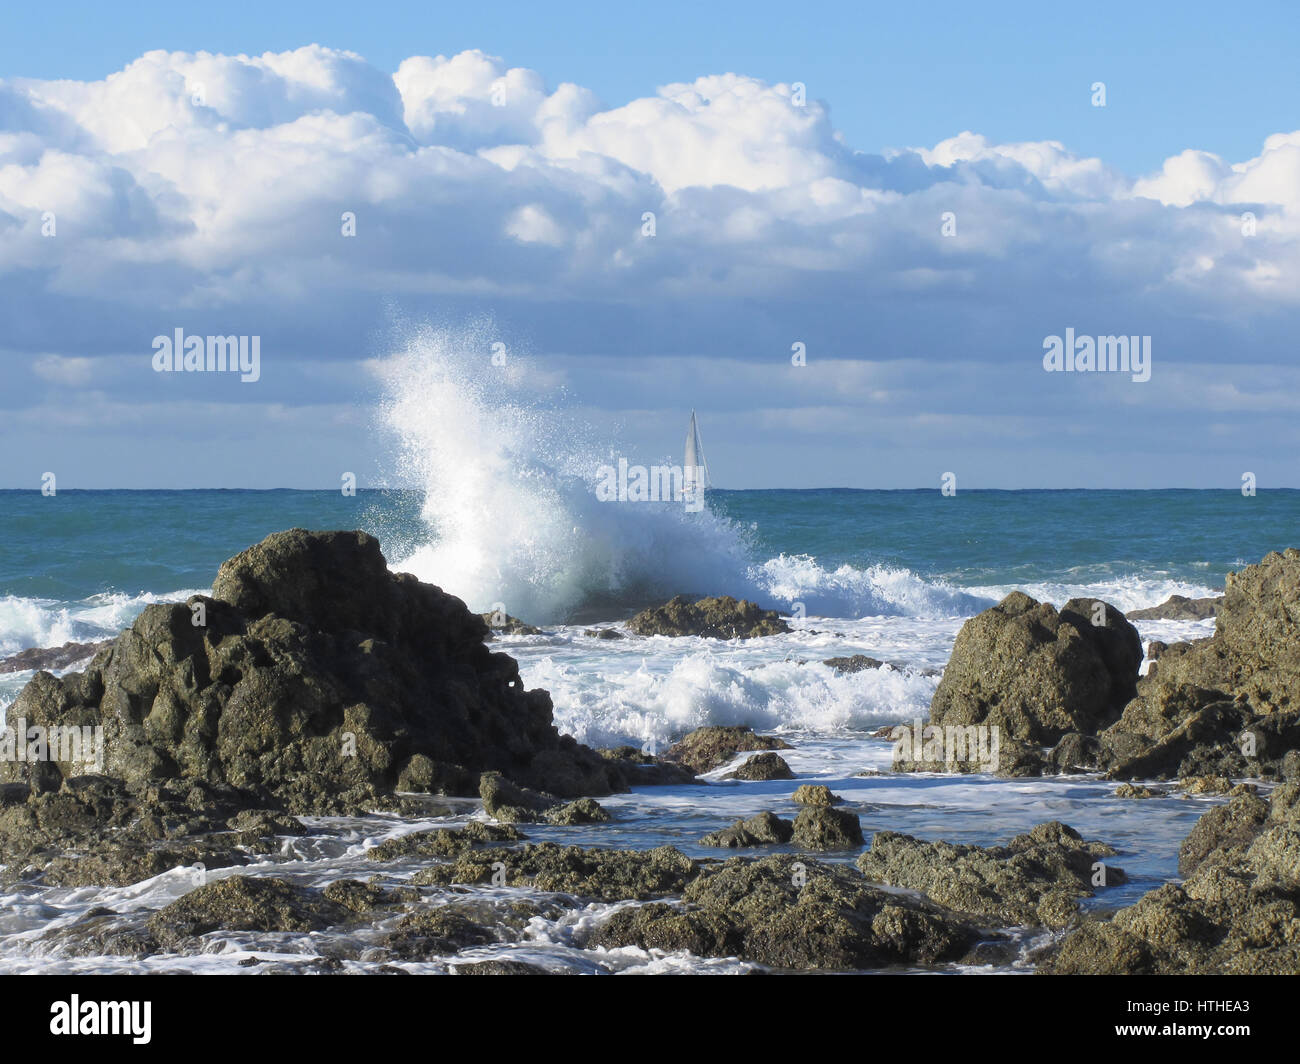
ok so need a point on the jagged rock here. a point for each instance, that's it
(789, 913)
(646, 770)
(1037, 674)
(51, 657)
(1129, 790)
(244, 903)
(501, 967)
(604, 633)
(710, 618)
(1177, 608)
(507, 625)
(815, 794)
(819, 827)
(856, 663)
(706, 748)
(764, 829)
(317, 681)
(762, 767)
(610, 875)
(1236, 912)
(510, 804)
(443, 842)
(1036, 880)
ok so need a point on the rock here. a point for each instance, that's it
(507, 625)
(706, 748)
(51, 657)
(819, 827)
(764, 829)
(1226, 705)
(318, 681)
(1037, 674)
(583, 811)
(815, 794)
(501, 967)
(604, 633)
(434, 931)
(762, 767)
(856, 663)
(646, 770)
(710, 618)
(788, 913)
(1129, 790)
(1205, 785)
(510, 804)
(1036, 880)
(1177, 608)
(1236, 913)
(609, 875)
(244, 903)
(265, 822)
(443, 842)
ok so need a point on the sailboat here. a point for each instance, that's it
(695, 467)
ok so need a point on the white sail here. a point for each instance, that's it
(695, 467)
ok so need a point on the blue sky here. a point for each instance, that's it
(205, 191)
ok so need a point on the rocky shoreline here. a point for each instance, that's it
(315, 683)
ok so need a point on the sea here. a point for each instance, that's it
(890, 574)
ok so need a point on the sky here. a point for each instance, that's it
(918, 195)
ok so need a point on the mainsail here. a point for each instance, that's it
(695, 467)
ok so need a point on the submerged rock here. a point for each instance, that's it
(244, 903)
(706, 748)
(1235, 913)
(1035, 880)
(313, 679)
(51, 657)
(762, 767)
(856, 663)
(1178, 608)
(710, 618)
(763, 829)
(787, 913)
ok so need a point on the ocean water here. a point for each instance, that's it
(497, 507)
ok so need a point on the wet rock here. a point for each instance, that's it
(51, 657)
(317, 681)
(855, 663)
(790, 914)
(762, 767)
(509, 804)
(604, 633)
(1129, 790)
(1236, 912)
(1177, 608)
(500, 967)
(710, 618)
(443, 842)
(244, 903)
(263, 822)
(815, 794)
(1037, 674)
(609, 875)
(706, 748)
(507, 625)
(434, 931)
(764, 829)
(1036, 880)
(102, 932)
(645, 770)
(359, 897)
(583, 811)
(820, 827)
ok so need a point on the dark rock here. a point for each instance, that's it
(820, 827)
(443, 842)
(762, 767)
(1236, 912)
(710, 618)
(764, 829)
(507, 625)
(1177, 608)
(319, 680)
(1036, 880)
(856, 663)
(706, 748)
(1129, 790)
(604, 633)
(791, 914)
(51, 657)
(244, 903)
(500, 967)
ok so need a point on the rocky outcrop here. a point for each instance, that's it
(1035, 880)
(1038, 674)
(1177, 608)
(507, 625)
(762, 767)
(313, 680)
(710, 618)
(789, 913)
(51, 657)
(1235, 913)
(815, 794)
(820, 827)
(764, 829)
(855, 663)
(706, 748)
